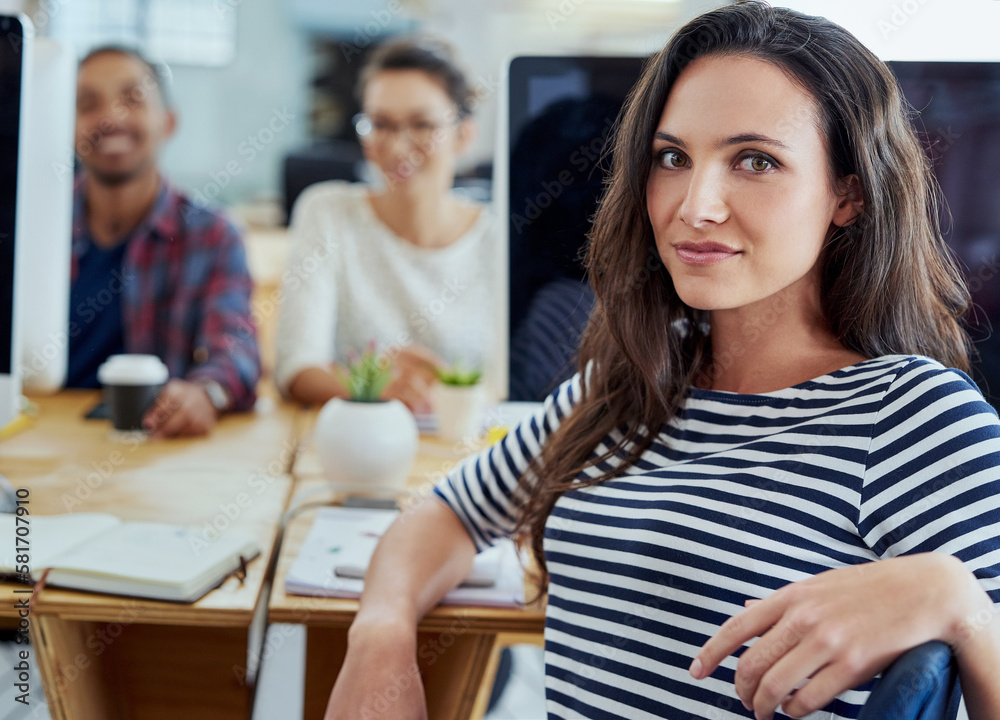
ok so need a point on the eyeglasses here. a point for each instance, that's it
(421, 132)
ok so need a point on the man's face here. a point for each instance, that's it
(121, 119)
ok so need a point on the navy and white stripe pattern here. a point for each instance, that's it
(738, 496)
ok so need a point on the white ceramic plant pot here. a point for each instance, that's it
(459, 410)
(366, 445)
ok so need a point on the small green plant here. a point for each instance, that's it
(459, 375)
(367, 375)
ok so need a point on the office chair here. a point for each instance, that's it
(921, 685)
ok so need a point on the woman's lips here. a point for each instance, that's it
(704, 253)
(399, 174)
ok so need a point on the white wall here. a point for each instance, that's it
(262, 98)
(939, 30)
(487, 33)
(222, 108)
(227, 150)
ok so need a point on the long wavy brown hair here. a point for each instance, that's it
(888, 283)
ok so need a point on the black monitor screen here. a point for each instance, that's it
(561, 112)
(10, 113)
(959, 124)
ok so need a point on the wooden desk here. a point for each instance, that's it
(105, 657)
(458, 646)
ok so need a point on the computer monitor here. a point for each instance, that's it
(556, 115)
(47, 192)
(959, 124)
(14, 71)
(37, 98)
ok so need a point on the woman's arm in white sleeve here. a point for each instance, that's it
(307, 301)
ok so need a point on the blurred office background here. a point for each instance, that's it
(242, 68)
(255, 81)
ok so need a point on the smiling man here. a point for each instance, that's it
(152, 271)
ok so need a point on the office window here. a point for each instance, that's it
(183, 32)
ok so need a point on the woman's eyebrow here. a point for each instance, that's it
(753, 138)
(734, 140)
(667, 137)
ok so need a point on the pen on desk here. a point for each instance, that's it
(241, 572)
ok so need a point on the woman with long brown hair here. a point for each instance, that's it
(771, 442)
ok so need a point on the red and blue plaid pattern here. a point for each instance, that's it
(186, 293)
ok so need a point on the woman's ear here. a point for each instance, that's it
(466, 133)
(850, 201)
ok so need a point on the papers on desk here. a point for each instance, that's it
(100, 553)
(505, 414)
(335, 556)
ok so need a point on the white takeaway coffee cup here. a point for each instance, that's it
(131, 385)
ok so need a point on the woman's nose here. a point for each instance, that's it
(705, 199)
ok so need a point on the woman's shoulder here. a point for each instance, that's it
(483, 223)
(919, 381)
(914, 368)
(331, 197)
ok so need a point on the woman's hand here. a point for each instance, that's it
(379, 676)
(414, 374)
(838, 629)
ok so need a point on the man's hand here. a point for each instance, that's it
(183, 409)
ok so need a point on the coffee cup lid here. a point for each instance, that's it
(132, 370)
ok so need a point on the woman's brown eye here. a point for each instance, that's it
(673, 159)
(760, 164)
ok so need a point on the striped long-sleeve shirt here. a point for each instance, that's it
(737, 496)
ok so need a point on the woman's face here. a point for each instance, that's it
(739, 194)
(416, 134)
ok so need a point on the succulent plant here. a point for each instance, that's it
(459, 375)
(367, 374)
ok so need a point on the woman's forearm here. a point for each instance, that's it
(424, 554)
(316, 385)
(978, 655)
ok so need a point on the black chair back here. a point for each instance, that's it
(921, 685)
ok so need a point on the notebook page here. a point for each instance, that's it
(48, 537)
(157, 553)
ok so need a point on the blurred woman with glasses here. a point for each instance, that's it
(406, 264)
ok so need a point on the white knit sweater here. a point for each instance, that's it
(350, 280)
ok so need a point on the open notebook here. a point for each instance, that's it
(100, 553)
(335, 555)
